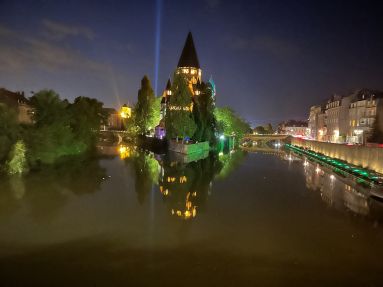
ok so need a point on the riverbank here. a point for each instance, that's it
(366, 157)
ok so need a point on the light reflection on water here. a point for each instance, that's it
(228, 217)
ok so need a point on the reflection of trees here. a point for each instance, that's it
(230, 162)
(145, 172)
(47, 190)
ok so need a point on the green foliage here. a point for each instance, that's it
(268, 128)
(180, 122)
(229, 123)
(49, 108)
(204, 116)
(9, 131)
(146, 173)
(230, 162)
(17, 163)
(86, 116)
(147, 110)
(61, 129)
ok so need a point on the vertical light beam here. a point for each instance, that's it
(157, 44)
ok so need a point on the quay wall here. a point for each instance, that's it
(188, 148)
(367, 157)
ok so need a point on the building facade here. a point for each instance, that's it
(316, 123)
(332, 113)
(362, 113)
(346, 119)
(294, 128)
(18, 102)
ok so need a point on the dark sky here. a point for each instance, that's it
(270, 60)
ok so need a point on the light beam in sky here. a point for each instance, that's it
(157, 44)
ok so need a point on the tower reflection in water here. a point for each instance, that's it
(184, 186)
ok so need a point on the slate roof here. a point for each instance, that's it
(189, 56)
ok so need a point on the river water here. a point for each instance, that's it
(138, 219)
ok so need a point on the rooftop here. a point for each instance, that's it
(189, 56)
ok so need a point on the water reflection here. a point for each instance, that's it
(337, 192)
(184, 185)
(46, 191)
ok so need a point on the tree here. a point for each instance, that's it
(377, 130)
(17, 163)
(179, 120)
(49, 108)
(86, 116)
(62, 129)
(9, 130)
(229, 123)
(268, 128)
(145, 110)
(204, 116)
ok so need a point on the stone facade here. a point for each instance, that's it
(346, 119)
(18, 102)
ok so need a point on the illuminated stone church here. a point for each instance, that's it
(189, 67)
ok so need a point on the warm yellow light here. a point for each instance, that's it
(187, 214)
(125, 112)
(124, 152)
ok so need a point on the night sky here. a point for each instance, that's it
(270, 60)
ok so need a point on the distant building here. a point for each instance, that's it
(294, 128)
(116, 118)
(346, 119)
(332, 112)
(316, 122)
(18, 102)
(362, 113)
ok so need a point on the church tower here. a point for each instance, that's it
(188, 64)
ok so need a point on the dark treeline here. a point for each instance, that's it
(60, 129)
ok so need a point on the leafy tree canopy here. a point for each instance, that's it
(179, 119)
(147, 110)
(229, 123)
(204, 115)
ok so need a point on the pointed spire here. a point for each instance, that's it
(189, 55)
(168, 85)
